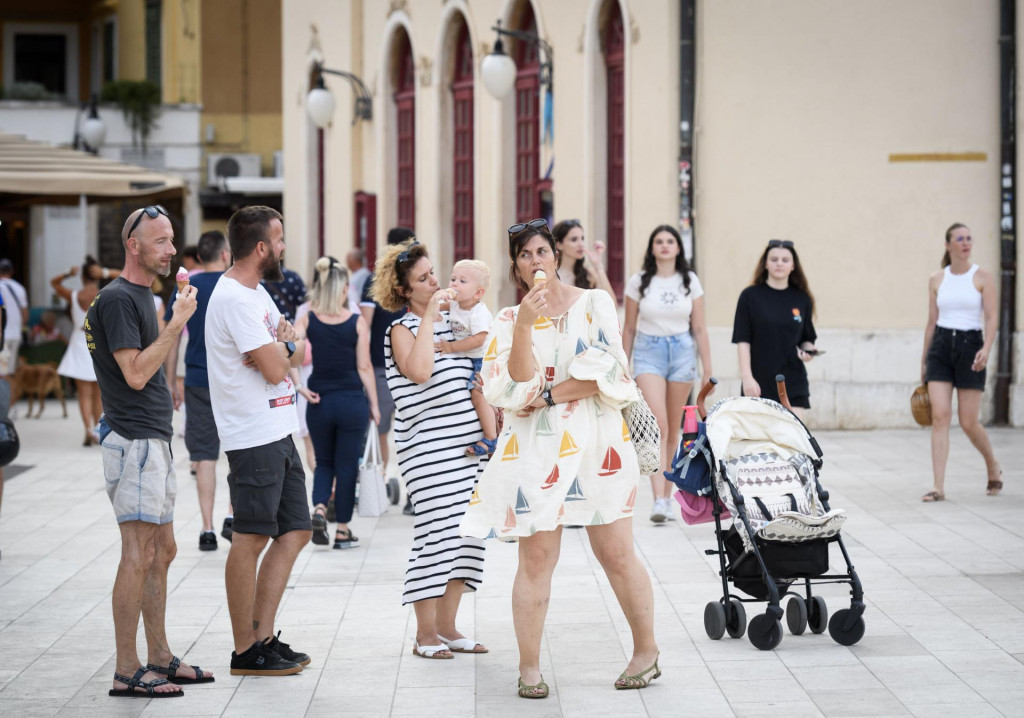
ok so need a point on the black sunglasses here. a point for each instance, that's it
(521, 226)
(403, 256)
(784, 243)
(153, 211)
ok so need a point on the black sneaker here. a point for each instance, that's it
(320, 537)
(226, 529)
(285, 651)
(261, 660)
(407, 509)
(207, 541)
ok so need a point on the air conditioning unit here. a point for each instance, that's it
(279, 163)
(233, 164)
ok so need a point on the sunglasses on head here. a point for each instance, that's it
(784, 243)
(153, 211)
(403, 256)
(522, 226)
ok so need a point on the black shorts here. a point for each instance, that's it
(951, 355)
(268, 489)
(201, 438)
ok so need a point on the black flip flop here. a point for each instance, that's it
(137, 682)
(172, 670)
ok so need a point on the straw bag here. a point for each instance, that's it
(373, 493)
(646, 436)
(921, 406)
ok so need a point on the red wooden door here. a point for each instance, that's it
(405, 101)
(527, 123)
(616, 148)
(462, 155)
(366, 226)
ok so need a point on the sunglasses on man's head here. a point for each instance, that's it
(403, 256)
(784, 243)
(153, 211)
(521, 226)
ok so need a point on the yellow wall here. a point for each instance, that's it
(182, 26)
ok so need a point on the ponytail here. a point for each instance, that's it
(949, 234)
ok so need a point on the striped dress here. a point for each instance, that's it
(434, 423)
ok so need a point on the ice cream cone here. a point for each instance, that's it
(181, 278)
(540, 277)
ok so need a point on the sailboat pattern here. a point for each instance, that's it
(572, 463)
(434, 423)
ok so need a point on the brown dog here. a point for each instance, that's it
(37, 381)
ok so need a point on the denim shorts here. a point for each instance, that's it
(674, 357)
(139, 477)
(478, 366)
(951, 355)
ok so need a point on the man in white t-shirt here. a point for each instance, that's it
(250, 348)
(16, 300)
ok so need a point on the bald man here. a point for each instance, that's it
(128, 352)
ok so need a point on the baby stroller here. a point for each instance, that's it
(755, 461)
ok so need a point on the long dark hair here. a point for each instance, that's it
(650, 267)
(89, 263)
(516, 242)
(579, 272)
(797, 278)
(949, 235)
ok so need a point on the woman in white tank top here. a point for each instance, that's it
(960, 331)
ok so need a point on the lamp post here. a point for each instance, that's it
(499, 70)
(320, 101)
(93, 131)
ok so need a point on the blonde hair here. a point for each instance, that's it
(391, 276)
(329, 294)
(483, 272)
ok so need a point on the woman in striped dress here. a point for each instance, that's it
(434, 423)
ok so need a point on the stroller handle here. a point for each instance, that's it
(780, 383)
(705, 391)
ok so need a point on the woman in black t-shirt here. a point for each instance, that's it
(773, 329)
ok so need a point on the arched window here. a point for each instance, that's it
(462, 155)
(615, 62)
(405, 105)
(527, 121)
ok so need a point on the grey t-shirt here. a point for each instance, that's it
(123, 316)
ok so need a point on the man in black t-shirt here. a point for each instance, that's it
(128, 352)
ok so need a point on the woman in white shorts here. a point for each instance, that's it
(663, 332)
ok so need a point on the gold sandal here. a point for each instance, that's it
(539, 690)
(638, 681)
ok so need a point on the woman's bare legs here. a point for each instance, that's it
(940, 394)
(531, 593)
(613, 547)
(85, 402)
(968, 402)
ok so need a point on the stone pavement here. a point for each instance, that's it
(943, 582)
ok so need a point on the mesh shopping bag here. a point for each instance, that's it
(646, 436)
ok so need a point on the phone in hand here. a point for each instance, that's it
(814, 352)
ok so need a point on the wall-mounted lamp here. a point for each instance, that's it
(320, 100)
(499, 70)
(93, 130)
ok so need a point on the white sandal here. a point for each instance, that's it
(462, 645)
(431, 651)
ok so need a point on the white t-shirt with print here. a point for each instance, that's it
(468, 323)
(249, 411)
(666, 307)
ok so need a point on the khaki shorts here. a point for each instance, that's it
(140, 478)
(9, 356)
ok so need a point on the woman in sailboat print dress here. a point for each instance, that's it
(555, 364)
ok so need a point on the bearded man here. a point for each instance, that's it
(250, 347)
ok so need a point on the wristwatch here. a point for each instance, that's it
(290, 346)
(546, 396)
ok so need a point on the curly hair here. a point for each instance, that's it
(650, 267)
(579, 272)
(391, 275)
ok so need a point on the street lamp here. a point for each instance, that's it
(93, 130)
(499, 70)
(320, 100)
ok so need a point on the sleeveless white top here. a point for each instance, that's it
(959, 301)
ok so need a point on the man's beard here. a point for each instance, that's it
(271, 269)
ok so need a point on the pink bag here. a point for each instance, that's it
(697, 509)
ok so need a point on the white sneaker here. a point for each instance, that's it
(661, 513)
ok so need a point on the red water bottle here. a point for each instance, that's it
(689, 426)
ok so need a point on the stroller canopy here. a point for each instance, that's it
(741, 425)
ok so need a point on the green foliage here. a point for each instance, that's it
(139, 101)
(27, 91)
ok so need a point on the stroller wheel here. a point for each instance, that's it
(765, 632)
(842, 635)
(817, 614)
(796, 615)
(393, 491)
(714, 620)
(736, 622)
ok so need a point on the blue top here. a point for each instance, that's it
(195, 352)
(334, 355)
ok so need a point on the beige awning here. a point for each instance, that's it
(32, 170)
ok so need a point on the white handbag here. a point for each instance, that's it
(373, 495)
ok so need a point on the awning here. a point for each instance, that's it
(34, 171)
